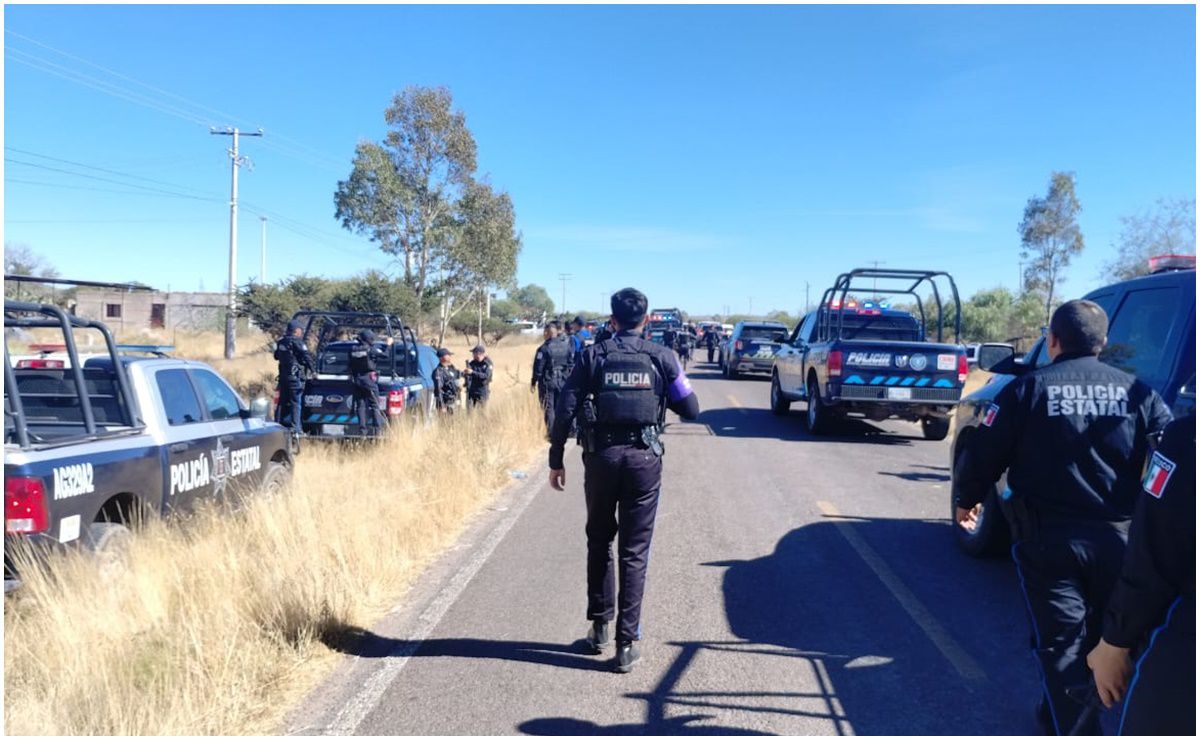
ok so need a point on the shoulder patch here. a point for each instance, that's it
(1158, 473)
(990, 414)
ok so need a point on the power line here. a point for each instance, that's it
(107, 179)
(104, 169)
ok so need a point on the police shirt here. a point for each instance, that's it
(668, 382)
(1160, 562)
(445, 384)
(364, 358)
(481, 375)
(293, 357)
(552, 361)
(1072, 436)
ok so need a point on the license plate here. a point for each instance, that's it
(333, 430)
(313, 400)
(900, 394)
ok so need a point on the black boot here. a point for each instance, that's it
(598, 636)
(628, 655)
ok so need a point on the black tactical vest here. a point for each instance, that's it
(362, 359)
(558, 360)
(628, 385)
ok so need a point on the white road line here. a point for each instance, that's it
(953, 652)
(364, 702)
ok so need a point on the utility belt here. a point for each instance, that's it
(643, 437)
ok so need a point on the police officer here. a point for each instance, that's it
(711, 339)
(294, 362)
(620, 388)
(446, 380)
(550, 367)
(479, 376)
(604, 331)
(670, 337)
(364, 379)
(1154, 602)
(1072, 436)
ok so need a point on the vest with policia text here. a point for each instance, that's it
(628, 385)
(362, 358)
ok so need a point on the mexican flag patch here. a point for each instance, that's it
(989, 416)
(1157, 474)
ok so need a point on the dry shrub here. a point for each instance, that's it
(215, 627)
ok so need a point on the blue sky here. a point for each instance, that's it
(707, 155)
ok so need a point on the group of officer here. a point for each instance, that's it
(554, 358)
(1074, 437)
(296, 364)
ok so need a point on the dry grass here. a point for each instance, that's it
(216, 626)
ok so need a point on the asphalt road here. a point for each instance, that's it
(798, 585)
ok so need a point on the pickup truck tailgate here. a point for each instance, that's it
(901, 371)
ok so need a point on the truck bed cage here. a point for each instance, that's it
(22, 315)
(330, 322)
(904, 282)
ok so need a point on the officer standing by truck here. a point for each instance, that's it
(479, 377)
(550, 367)
(711, 339)
(1154, 602)
(1072, 436)
(446, 380)
(620, 389)
(364, 378)
(295, 361)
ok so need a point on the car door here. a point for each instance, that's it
(188, 476)
(788, 360)
(238, 462)
(806, 333)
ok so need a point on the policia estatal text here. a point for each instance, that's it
(619, 391)
(1072, 436)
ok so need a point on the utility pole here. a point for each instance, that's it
(238, 161)
(874, 281)
(262, 270)
(806, 303)
(751, 306)
(564, 277)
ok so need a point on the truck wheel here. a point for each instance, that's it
(277, 478)
(779, 404)
(819, 416)
(109, 542)
(935, 428)
(730, 372)
(991, 536)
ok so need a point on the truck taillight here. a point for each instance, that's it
(40, 365)
(962, 368)
(395, 403)
(25, 509)
(835, 364)
(738, 345)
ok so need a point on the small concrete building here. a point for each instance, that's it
(133, 311)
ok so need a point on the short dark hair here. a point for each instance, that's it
(1081, 327)
(629, 306)
(556, 325)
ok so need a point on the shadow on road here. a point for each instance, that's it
(366, 644)
(753, 423)
(817, 597)
(921, 474)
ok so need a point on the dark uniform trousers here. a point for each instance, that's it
(621, 485)
(1162, 694)
(548, 393)
(366, 402)
(291, 399)
(1067, 572)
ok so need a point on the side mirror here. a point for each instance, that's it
(996, 358)
(259, 408)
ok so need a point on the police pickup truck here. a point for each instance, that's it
(868, 359)
(1151, 334)
(93, 443)
(405, 375)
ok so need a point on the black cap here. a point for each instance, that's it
(577, 320)
(367, 336)
(444, 352)
(293, 326)
(479, 348)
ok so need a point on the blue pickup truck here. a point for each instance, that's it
(866, 358)
(405, 375)
(92, 444)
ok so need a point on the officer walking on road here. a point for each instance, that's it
(1072, 436)
(1154, 602)
(479, 377)
(446, 379)
(620, 389)
(364, 378)
(550, 367)
(711, 338)
(295, 361)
